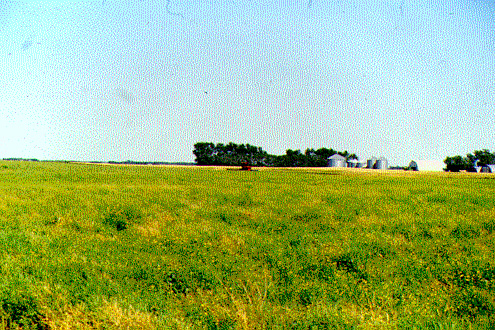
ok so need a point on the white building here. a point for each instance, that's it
(336, 161)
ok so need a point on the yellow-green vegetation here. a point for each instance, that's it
(123, 247)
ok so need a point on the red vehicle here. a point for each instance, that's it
(245, 166)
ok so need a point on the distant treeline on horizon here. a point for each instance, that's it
(126, 162)
(232, 154)
(470, 161)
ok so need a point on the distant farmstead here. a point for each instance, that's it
(372, 163)
(377, 163)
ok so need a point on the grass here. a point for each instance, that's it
(141, 247)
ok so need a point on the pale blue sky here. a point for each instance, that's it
(145, 80)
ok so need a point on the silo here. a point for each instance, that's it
(381, 163)
(336, 161)
(371, 162)
(351, 163)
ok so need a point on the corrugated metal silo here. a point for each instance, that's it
(381, 163)
(336, 161)
(371, 162)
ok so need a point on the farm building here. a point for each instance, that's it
(352, 163)
(413, 166)
(377, 164)
(371, 162)
(381, 164)
(488, 168)
(336, 161)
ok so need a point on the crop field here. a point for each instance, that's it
(147, 247)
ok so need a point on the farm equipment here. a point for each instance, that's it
(245, 166)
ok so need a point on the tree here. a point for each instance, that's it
(292, 158)
(484, 157)
(205, 153)
(312, 159)
(455, 164)
(468, 163)
(352, 156)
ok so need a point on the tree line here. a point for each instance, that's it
(232, 154)
(468, 162)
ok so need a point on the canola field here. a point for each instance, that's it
(85, 246)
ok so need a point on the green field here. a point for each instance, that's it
(142, 247)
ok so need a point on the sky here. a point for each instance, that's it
(145, 80)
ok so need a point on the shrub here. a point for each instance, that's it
(308, 216)
(348, 263)
(120, 218)
(21, 310)
(473, 303)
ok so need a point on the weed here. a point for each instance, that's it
(473, 303)
(489, 225)
(307, 216)
(177, 283)
(320, 270)
(349, 263)
(465, 231)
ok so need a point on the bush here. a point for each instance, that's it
(349, 263)
(473, 303)
(122, 217)
(21, 310)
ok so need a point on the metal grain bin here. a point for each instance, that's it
(371, 162)
(381, 163)
(336, 161)
(352, 163)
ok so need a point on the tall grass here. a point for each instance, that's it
(112, 247)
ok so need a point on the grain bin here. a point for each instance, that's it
(336, 161)
(381, 163)
(352, 163)
(371, 162)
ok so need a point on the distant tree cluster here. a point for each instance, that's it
(232, 154)
(468, 162)
(22, 159)
(208, 153)
(133, 162)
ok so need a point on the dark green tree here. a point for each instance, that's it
(484, 157)
(205, 153)
(455, 163)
